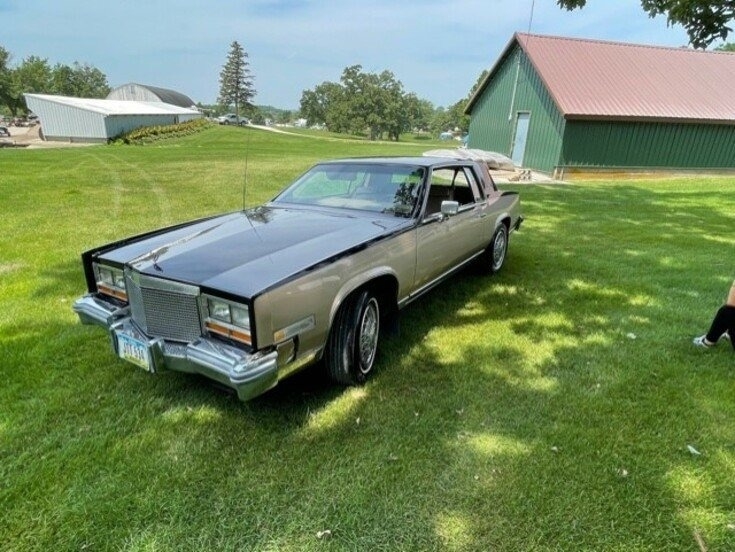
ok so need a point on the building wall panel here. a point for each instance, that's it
(515, 88)
(655, 145)
(65, 122)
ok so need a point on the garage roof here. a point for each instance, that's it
(593, 79)
(164, 94)
(116, 107)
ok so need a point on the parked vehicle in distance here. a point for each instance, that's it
(250, 297)
(232, 119)
(4, 132)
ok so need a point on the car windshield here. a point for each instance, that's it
(382, 188)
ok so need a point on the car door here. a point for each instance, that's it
(443, 242)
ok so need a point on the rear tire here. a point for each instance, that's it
(353, 341)
(494, 256)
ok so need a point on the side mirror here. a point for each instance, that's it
(450, 208)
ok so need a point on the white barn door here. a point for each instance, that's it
(523, 121)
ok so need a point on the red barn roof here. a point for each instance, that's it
(593, 79)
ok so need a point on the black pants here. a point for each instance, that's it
(724, 322)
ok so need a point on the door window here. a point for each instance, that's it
(452, 183)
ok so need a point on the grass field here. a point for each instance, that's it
(550, 407)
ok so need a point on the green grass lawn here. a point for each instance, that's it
(547, 408)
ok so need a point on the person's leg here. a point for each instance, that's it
(723, 325)
(731, 320)
(731, 296)
(724, 321)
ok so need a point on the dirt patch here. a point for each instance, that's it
(24, 135)
(30, 137)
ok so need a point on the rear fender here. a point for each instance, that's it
(508, 208)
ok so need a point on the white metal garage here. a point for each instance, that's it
(93, 120)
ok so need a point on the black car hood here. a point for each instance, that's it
(247, 252)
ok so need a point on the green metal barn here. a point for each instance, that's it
(561, 105)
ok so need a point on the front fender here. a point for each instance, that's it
(357, 282)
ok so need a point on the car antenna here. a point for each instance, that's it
(245, 176)
(245, 184)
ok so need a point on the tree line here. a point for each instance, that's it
(35, 74)
(372, 103)
(360, 103)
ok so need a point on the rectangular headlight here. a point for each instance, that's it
(105, 275)
(110, 281)
(228, 319)
(240, 316)
(119, 279)
(219, 310)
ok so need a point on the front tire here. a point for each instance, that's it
(494, 256)
(353, 341)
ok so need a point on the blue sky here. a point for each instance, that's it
(436, 48)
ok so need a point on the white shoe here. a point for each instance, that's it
(702, 342)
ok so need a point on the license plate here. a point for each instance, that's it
(134, 351)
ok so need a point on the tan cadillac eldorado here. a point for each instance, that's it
(250, 297)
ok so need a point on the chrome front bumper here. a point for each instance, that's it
(248, 374)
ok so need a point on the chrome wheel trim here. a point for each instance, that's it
(368, 335)
(499, 248)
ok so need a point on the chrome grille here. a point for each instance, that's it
(135, 298)
(162, 308)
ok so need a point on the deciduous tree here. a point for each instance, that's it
(705, 21)
(395, 116)
(6, 84)
(454, 117)
(420, 112)
(34, 74)
(359, 102)
(81, 81)
(316, 104)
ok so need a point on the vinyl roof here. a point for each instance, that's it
(592, 79)
(116, 107)
(419, 161)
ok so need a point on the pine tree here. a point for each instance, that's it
(235, 79)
